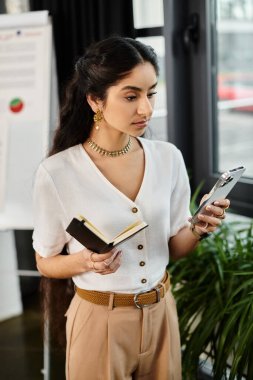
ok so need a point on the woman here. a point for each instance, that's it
(122, 321)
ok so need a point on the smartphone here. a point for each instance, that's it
(221, 189)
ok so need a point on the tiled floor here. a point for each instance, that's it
(21, 346)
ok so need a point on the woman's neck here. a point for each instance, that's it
(109, 140)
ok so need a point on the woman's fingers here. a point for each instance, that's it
(217, 210)
(224, 203)
(104, 256)
(113, 267)
(208, 222)
(105, 263)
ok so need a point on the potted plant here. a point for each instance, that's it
(213, 288)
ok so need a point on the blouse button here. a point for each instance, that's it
(144, 280)
(134, 210)
(142, 263)
(140, 246)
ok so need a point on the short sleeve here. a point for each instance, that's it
(180, 198)
(49, 235)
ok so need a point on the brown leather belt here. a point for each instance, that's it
(139, 300)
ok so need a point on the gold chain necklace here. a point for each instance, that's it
(110, 153)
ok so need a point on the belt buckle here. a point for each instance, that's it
(158, 297)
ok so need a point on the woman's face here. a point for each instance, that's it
(129, 104)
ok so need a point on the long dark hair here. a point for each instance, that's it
(103, 65)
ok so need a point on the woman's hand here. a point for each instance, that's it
(186, 239)
(66, 266)
(103, 263)
(216, 213)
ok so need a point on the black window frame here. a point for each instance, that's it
(191, 96)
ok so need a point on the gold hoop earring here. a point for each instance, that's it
(97, 118)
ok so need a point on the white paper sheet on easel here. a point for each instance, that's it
(25, 83)
(24, 69)
(3, 159)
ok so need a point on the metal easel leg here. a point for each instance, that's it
(46, 352)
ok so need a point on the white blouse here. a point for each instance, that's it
(69, 184)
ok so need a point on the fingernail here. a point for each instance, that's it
(216, 203)
(208, 207)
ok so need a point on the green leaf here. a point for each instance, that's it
(213, 288)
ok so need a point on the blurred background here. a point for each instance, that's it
(204, 106)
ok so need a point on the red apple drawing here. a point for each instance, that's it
(16, 105)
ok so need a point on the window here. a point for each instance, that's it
(16, 6)
(234, 94)
(217, 68)
(148, 22)
(148, 13)
(235, 84)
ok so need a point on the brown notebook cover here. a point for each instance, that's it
(89, 239)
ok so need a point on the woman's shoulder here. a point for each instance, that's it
(160, 147)
(61, 160)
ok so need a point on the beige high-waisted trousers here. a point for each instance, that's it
(123, 343)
